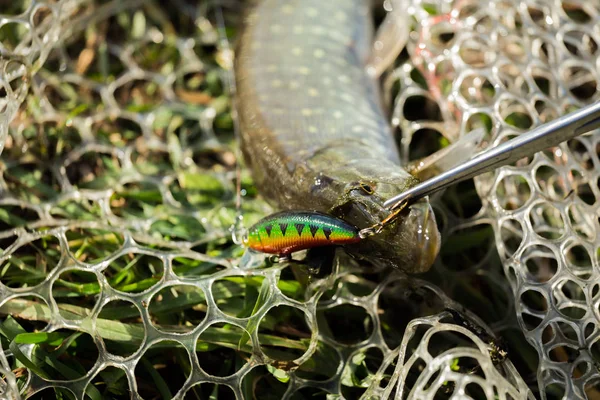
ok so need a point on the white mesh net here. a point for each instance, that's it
(29, 30)
(510, 66)
(118, 277)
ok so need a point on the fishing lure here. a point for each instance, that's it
(286, 232)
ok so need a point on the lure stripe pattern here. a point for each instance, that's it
(271, 234)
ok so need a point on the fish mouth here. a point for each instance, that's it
(410, 242)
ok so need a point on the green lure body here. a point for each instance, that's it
(286, 232)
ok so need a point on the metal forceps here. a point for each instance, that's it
(548, 135)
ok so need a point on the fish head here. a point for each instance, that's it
(410, 241)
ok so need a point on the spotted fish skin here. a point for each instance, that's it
(286, 232)
(313, 129)
(311, 117)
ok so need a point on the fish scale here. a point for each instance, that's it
(310, 87)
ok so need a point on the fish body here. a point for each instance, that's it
(286, 232)
(313, 129)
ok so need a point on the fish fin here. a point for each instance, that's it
(458, 152)
(391, 37)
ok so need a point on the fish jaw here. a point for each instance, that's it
(411, 242)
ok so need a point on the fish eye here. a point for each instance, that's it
(366, 187)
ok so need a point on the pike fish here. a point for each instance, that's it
(313, 128)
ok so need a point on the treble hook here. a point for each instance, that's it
(378, 227)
